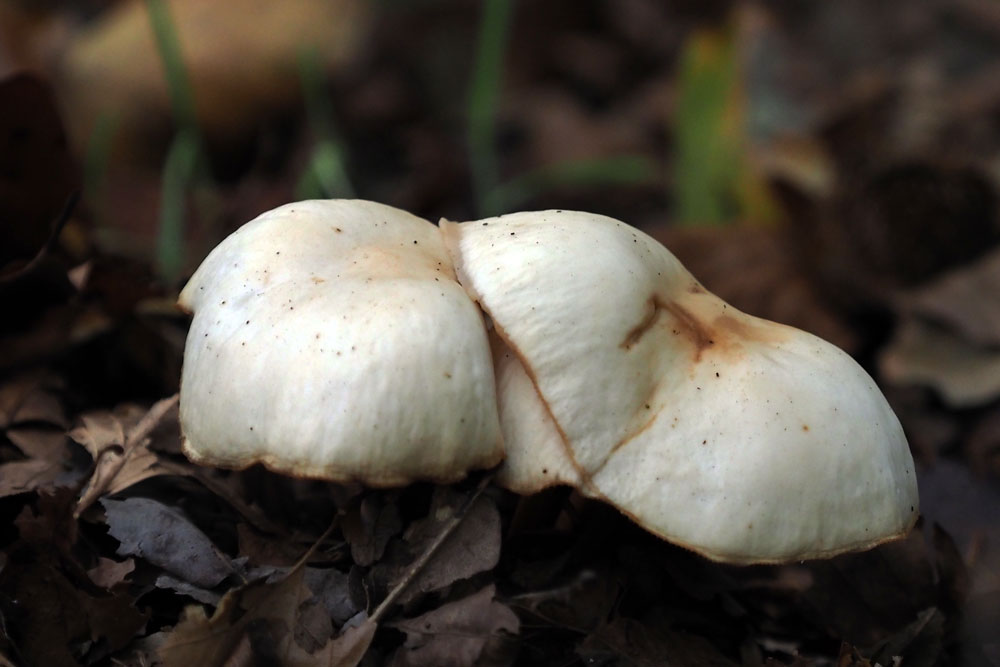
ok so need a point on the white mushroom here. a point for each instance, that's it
(744, 440)
(331, 340)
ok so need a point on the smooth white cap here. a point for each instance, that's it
(330, 340)
(741, 439)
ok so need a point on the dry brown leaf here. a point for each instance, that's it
(628, 642)
(47, 462)
(473, 547)
(261, 550)
(58, 611)
(983, 444)
(966, 300)
(119, 446)
(368, 528)
(457, 634)
(348, 649)
(109, 573)
(30, 398)
(261, 616)
(580, 605)
(342, 595)
(949, 336)
(919, 644)
(922, 353)
(163, 536)
(23, 476)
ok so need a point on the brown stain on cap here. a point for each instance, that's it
(706, 323)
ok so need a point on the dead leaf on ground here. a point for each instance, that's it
(275, 620)
(342, 595)
(61, 616)
(966, 300)
(925, 354)
(58, 616)
(580, 605)
(261, 550)
(983, 444)
(919, 644)
(109, 573)
(949, 335)
(119, 445)
(470, 631)
(47, 463)
(369, 526)
(472, 548)
(31, 397)
(629, 643)
(165, 537)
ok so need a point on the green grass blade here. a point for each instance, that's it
(179, 173)
(707, 158)
(326, 173)
(169, 46)
(482, 105)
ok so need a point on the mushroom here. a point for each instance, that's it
(744, 440)
(330, 340)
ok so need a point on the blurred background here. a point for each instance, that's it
(832, 165)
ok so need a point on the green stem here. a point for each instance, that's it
(485, 89)
(178, 174)
(169, 46)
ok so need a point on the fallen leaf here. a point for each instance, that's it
(949, 335)
(922, 353)
(51, 522)
(630, 643)
(24, 476)
(473, 547)
(462, 633)
(919, 644)
(269, 618)
(339, 593)
(966, 300)
(263, 551)
(349, 648)
(60, 614)
(109, 573)
(580, 605)
(119, 445)
(55, 612)
(165, 537)
(368, 528)
(983, 443)
(47, 464)
(31, 397)
(181, 587)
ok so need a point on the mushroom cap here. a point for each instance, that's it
(744, 440)
(331, 340)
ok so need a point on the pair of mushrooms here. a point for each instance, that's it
(348, 340)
